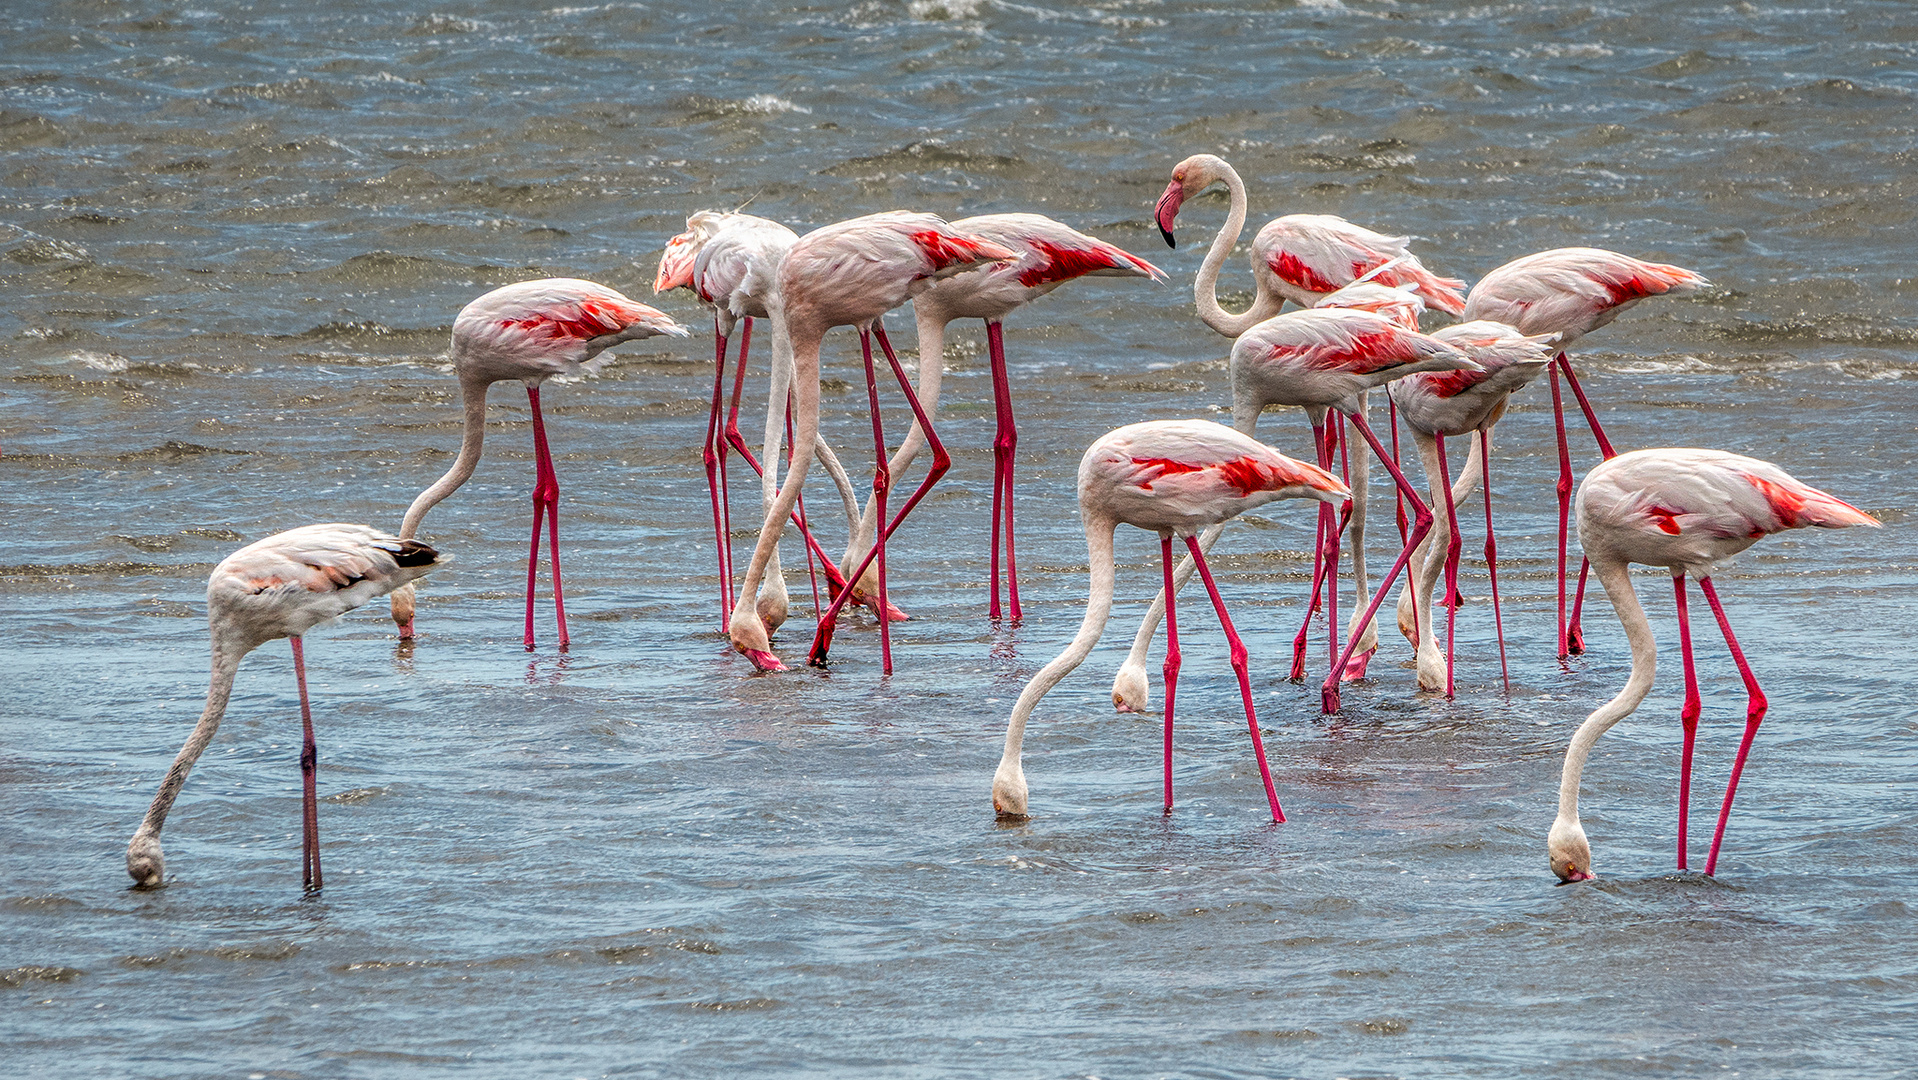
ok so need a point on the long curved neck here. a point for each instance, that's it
(1205, 286)
(473, 397)
(1099, 532)
(219, 689)
(1618, 588)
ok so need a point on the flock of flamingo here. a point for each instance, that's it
(1359, 297)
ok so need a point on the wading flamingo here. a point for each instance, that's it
(1173, 477)
(1434, 406)
(530, 331)
(1320, 359)
(280, 587)
(1684, 510)
(731, 262)
(1571, 292)
(849, 274)
(1050, 254)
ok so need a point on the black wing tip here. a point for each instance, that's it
(414, 553)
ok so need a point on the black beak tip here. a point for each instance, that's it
(1167, 233)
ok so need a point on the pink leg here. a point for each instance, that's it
(1172, 659)
(1687, 717)
(1421, 524)
(309, 766)
(1239, 668)
(1755, 705)
(881, 487)
(941, 462)
(713, 453)
(1398, 501)
(1004, 445)
(545, 504)
(1491, 555)
(1335, 436)
(1452, 550)
(1591, 418)
(1318, 557)
(1564, 498)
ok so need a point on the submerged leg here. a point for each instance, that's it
(1005, 444)
(1755, 705)
(1172, 658)
(1421, 524)
(309, 766)
(1564, 498)
(1491, 553)
(545, 503)
(1241, 669)
(1453, 545)
(1687, 717)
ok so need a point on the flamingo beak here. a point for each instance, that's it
(1168, 210)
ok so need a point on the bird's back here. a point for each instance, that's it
(1321, 253)
(1322, 356)
(533, 330)
(1454, 402)
(853, 271)
(1182, 475)
(293, 581)
(738, 268)
(1686, 509)
(1572, 291)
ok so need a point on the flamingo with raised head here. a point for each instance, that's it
(1571, 292)
(1686, 511)
(1050, 254)
(1298, 257)
(849, 274)
(1434, 406)
(731, 262)
(1173, 477)
(530, 331)
(279, 587)
(1320, 359)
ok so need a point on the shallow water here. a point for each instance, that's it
(234, 242)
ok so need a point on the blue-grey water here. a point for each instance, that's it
(235, 236)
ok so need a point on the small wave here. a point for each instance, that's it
(109, 362)
(921, 153)
(944, 10)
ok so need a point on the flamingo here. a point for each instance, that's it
(279, 587)
(731, 262)
(1050, 254)
(1687, 511)
(1459, 403)
(1571, 292)
(1174, 477)
(849, 274)
(1319, 359)
(530, 331)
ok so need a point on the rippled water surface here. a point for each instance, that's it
(234, 239)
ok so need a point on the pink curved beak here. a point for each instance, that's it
(763, 660)
(1168, 210)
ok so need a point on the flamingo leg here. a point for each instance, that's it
(1452, 549)
(1335, 446)
(1575, 637)
(1318, 556)
(881, 486)
(1755, 705)
(1243, 671)
(1491, 555)
(1172, 659)
(546, 504)
(941, 463)
(1687, 716)
(309, 767)
(1398, 501)
(1421, 524)
(1005, 444)
(713, 454)
(1564, 497)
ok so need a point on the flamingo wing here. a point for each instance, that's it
(1321, 253)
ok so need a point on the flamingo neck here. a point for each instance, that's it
(473, 397)
(1616, 578)
(226, 660)
(1099, 530)
(1205, 286)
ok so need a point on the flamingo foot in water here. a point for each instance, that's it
(1355, 667)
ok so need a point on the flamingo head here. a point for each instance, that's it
(145, 864)
(1571, 853)
(1130, 689)
(676, 262)
(1009, 792)
(1189, 178)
